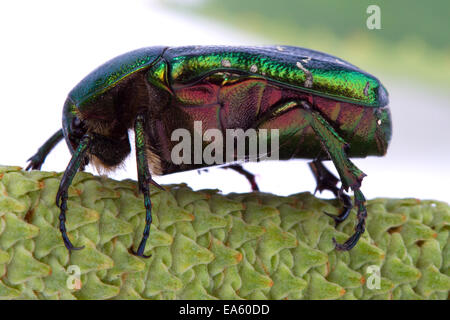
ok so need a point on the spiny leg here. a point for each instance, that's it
(350, 175)
(38, 158)
(324, 178)
(335, 146)
(250, 176)
(61, 197)
(327, 181)
(144, 178)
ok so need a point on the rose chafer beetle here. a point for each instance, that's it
(324, 108)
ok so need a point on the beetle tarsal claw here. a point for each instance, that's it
(360, 227)
(36, 162)
(327, 181)
(345, 212)
(38, 158)
(136, 253)
(70, 247)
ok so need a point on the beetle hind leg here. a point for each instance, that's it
(327, 181)
(351, 176)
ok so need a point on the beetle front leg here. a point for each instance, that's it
(350, 175)
(62, 194)
(38, 158)
(144, 178)
(327, 181)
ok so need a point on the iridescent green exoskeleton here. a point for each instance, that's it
(322, 107)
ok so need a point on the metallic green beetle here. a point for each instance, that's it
(322, 107)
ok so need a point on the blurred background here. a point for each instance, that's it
(48, 46)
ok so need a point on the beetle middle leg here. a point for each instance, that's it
(327, 181)
(247, 174)
(144, 178)
(38, 158)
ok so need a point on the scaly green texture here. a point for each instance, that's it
(205, 245)
(336, 80)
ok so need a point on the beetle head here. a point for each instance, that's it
(73, 127)
(383, 131)
(105, 151)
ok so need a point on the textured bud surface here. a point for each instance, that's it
(205, 245)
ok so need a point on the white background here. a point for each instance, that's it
(48, 46)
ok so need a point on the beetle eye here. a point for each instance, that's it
(77, 127)
(76, 122)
